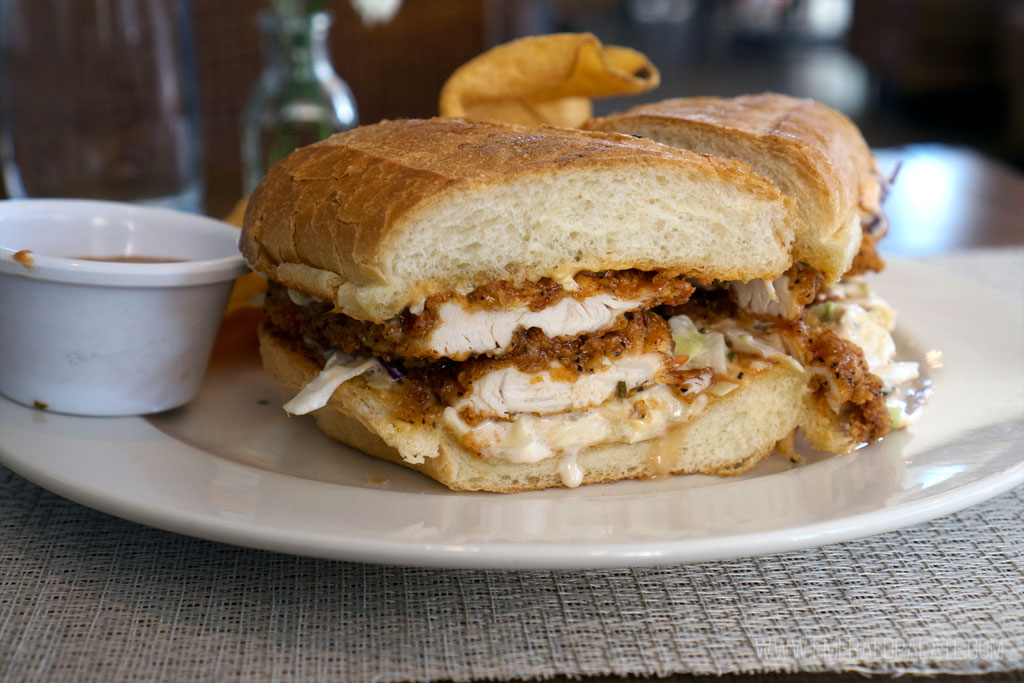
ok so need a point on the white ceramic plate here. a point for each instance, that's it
(231, 467)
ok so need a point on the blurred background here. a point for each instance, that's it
(907, 71)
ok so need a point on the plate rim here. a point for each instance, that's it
(540, 556)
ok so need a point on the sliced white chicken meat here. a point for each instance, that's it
(764, 298)
(463, 332)
(510, 391)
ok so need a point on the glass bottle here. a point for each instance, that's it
(298, 100)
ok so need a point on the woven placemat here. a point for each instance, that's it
(88, 597)
(85, 596)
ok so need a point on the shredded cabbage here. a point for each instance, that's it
(338, 369)
(898, 413)
(687, 338)
(705, 350)
(745, 342)
(378, 377)
(723, 388)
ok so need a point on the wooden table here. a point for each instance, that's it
(947, 198)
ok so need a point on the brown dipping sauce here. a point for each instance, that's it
(130, 259)
(24, 257)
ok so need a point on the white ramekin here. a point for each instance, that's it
(109, 338)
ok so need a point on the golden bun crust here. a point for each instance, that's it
(813, 154)
(730, 436)
(381, 216)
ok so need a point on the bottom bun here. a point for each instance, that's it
(731, 435)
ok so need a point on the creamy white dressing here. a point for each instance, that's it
(508, 391)
(532, 438)
(569, 470)
(856, 291)
(870, 329)
(463, 332)
(898, 414)
(894, 374)
(416, 307)
(568, 283)
(855, 325)
(864, 319)
(723, 388)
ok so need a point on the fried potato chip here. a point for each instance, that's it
(237, 214)
(250, 288)
(545, 80)
(244, 310)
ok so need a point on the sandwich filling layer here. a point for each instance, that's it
(531, 438)
(489, 320)
(544, 395)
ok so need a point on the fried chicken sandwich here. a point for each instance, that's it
(507, 309)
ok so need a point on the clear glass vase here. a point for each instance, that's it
(298, 100)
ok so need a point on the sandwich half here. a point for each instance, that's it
(506, 309)
(819, 159)
(811, 152)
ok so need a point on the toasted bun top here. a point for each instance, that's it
(382, 216)
(812, 153)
